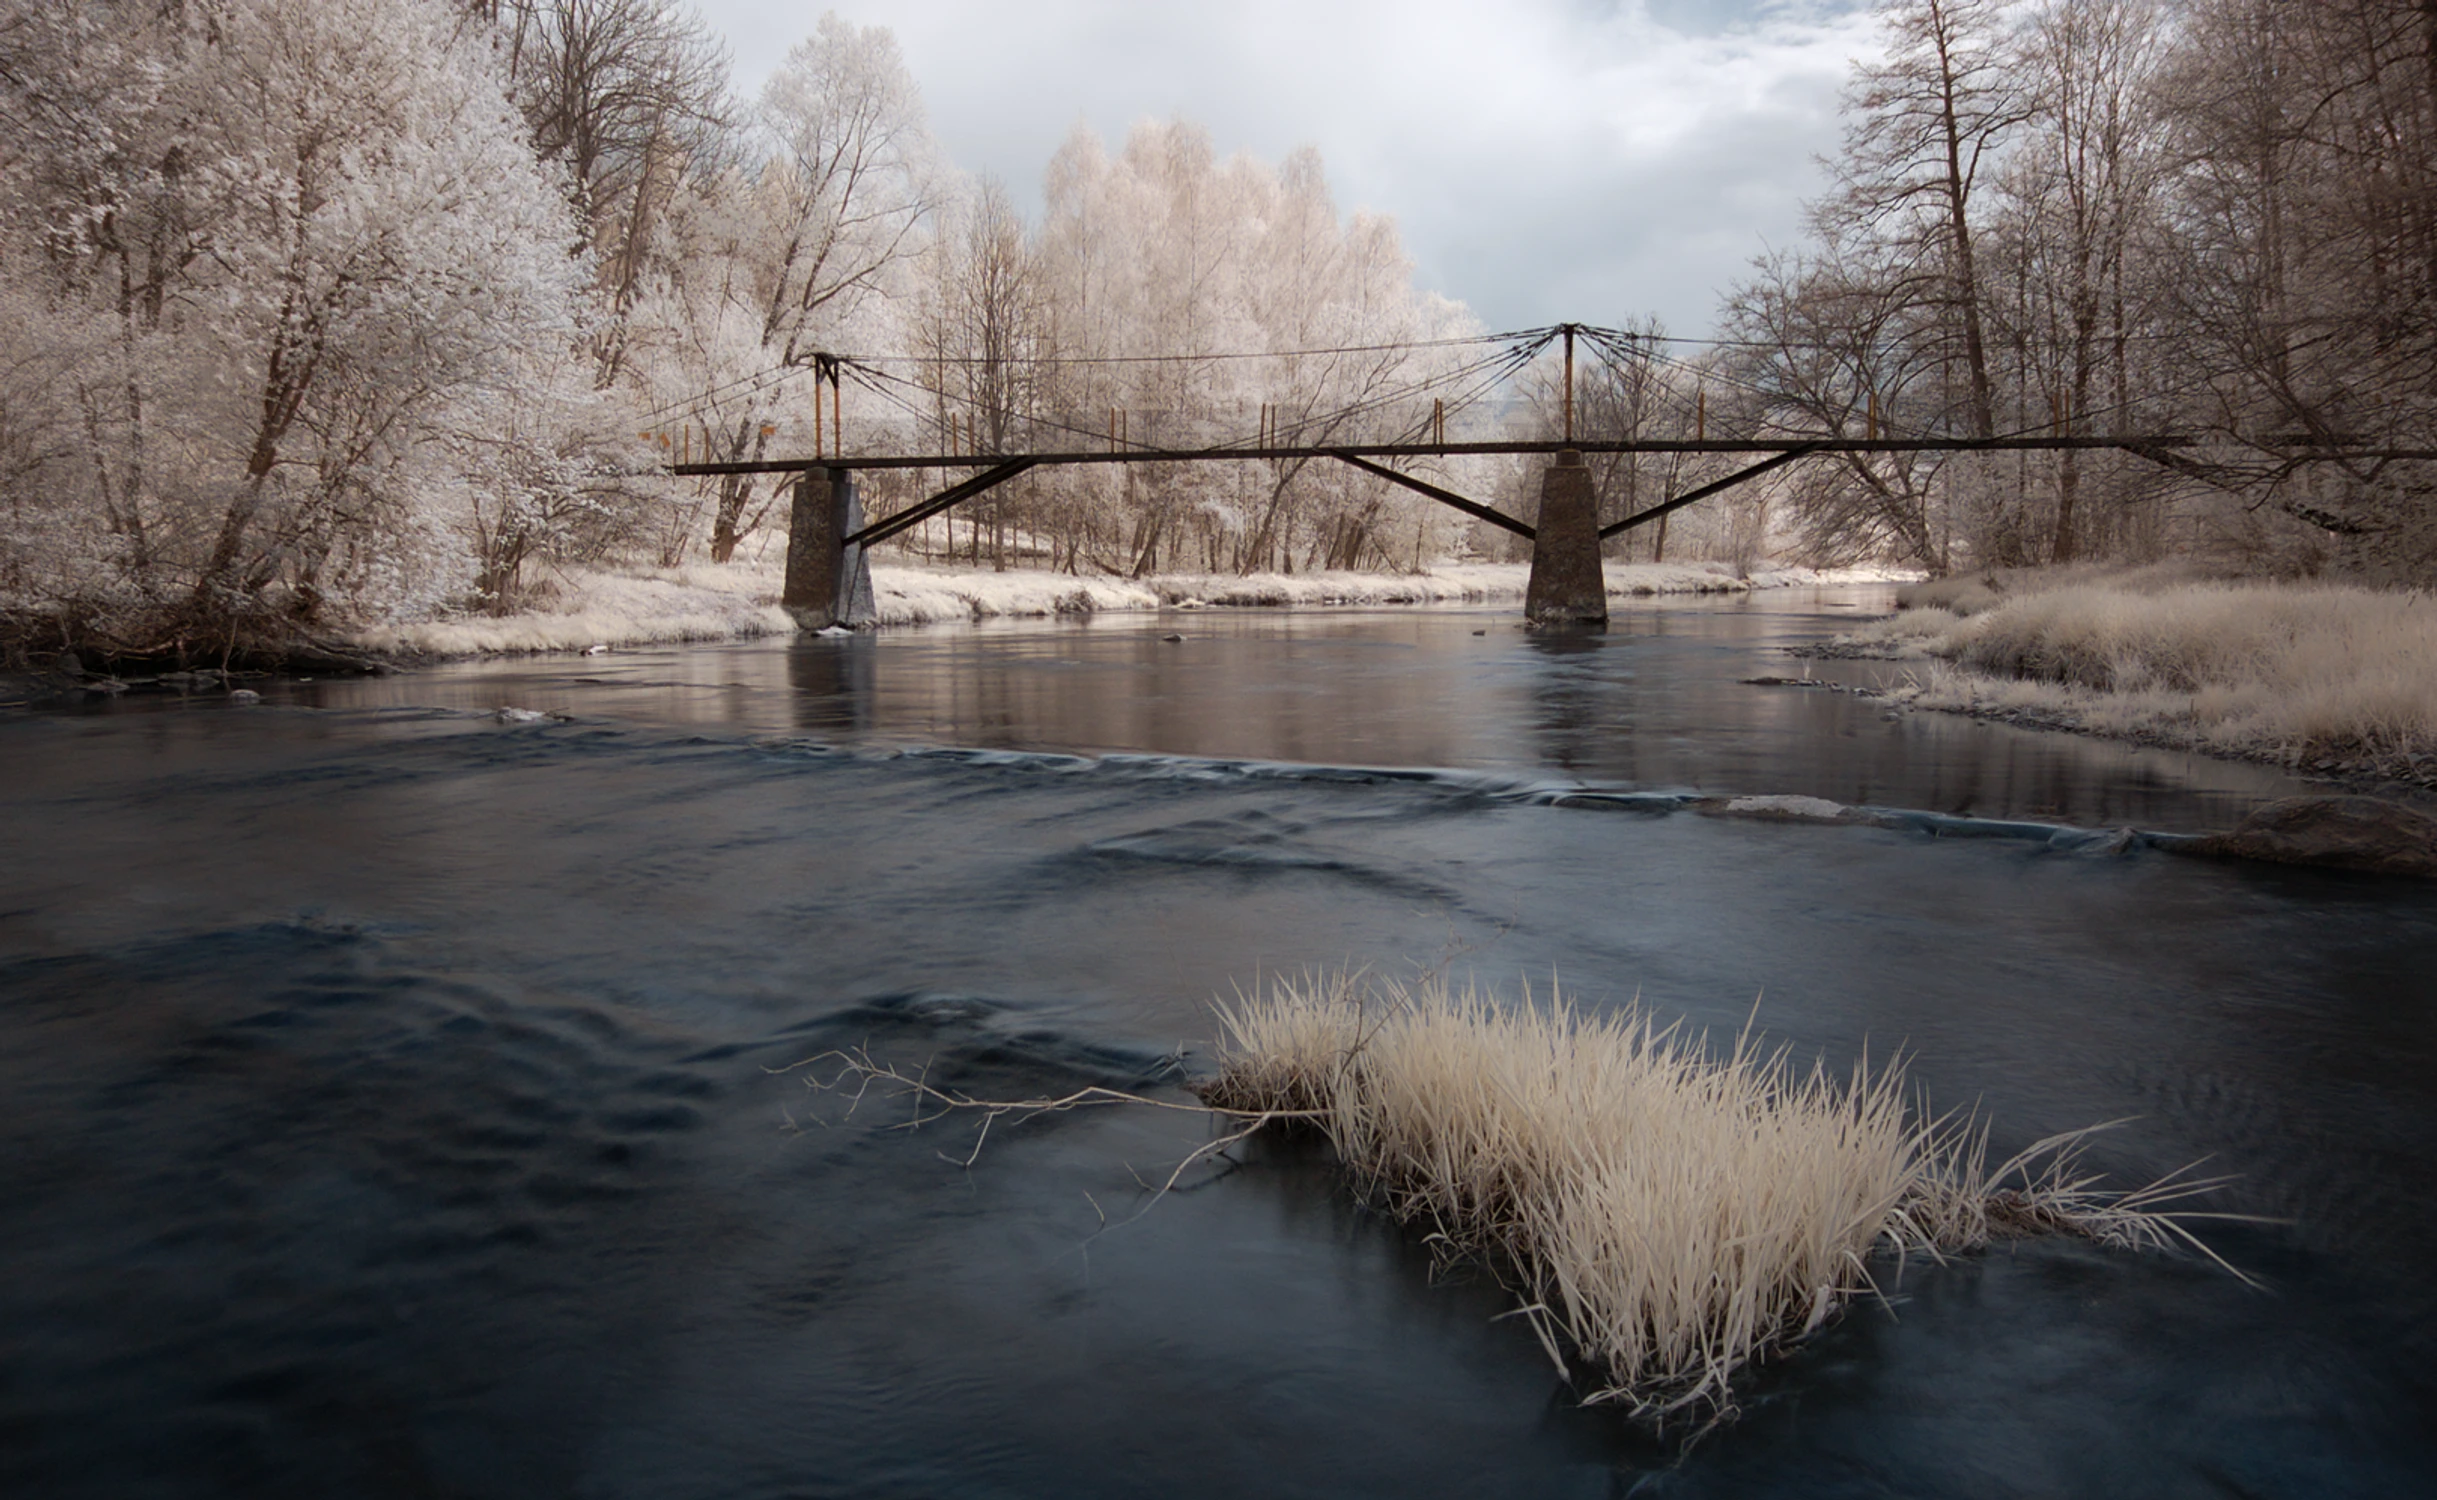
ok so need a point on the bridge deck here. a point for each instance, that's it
(1137, 453)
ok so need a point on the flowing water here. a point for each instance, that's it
(400, 1102)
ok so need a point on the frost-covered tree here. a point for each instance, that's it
(1196, 302)
(980, 325)
(794, 252)
(323, 246)
(623, 98)
(385, 247)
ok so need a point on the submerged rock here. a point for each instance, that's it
(1786, 808)
(2344, 833)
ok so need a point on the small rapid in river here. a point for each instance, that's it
(402, 1105)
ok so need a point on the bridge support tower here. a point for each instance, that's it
(829, 581)
(1567, 587)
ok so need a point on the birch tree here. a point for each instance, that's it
(834, 210)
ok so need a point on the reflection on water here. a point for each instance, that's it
(1658, 701)
(835, 684)
(398, 1099)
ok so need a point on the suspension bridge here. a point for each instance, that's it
(828, 579)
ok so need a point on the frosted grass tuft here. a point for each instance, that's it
(1668, 1214)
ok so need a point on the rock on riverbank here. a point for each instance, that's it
(2345, 833)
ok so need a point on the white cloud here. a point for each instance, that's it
(1544, 159)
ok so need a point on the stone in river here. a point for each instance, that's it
(2344, 833)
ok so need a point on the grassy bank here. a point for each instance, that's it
(2317, 676)
(1667, 1213)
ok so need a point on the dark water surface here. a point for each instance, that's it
(1660, 702)
(391, 1105)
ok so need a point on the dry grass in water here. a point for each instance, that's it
(1666, 1214)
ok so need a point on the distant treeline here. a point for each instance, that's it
(320, 311)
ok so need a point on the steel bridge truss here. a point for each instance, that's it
(2167, 449)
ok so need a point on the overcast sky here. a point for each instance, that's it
(1545, 159)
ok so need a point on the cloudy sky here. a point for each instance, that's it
(1545, 159)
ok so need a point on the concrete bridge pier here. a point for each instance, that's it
(828, 581)
(1567, 587)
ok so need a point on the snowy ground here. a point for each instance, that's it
(639, 606)
(609, 608)
(2319, 676)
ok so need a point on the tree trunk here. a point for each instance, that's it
(734, 490)
(1967, 279)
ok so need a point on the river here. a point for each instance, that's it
(401, 1100)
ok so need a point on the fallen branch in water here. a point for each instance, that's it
(855, 1068)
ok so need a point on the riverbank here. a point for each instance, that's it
(2324, 678)
(629, 607)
